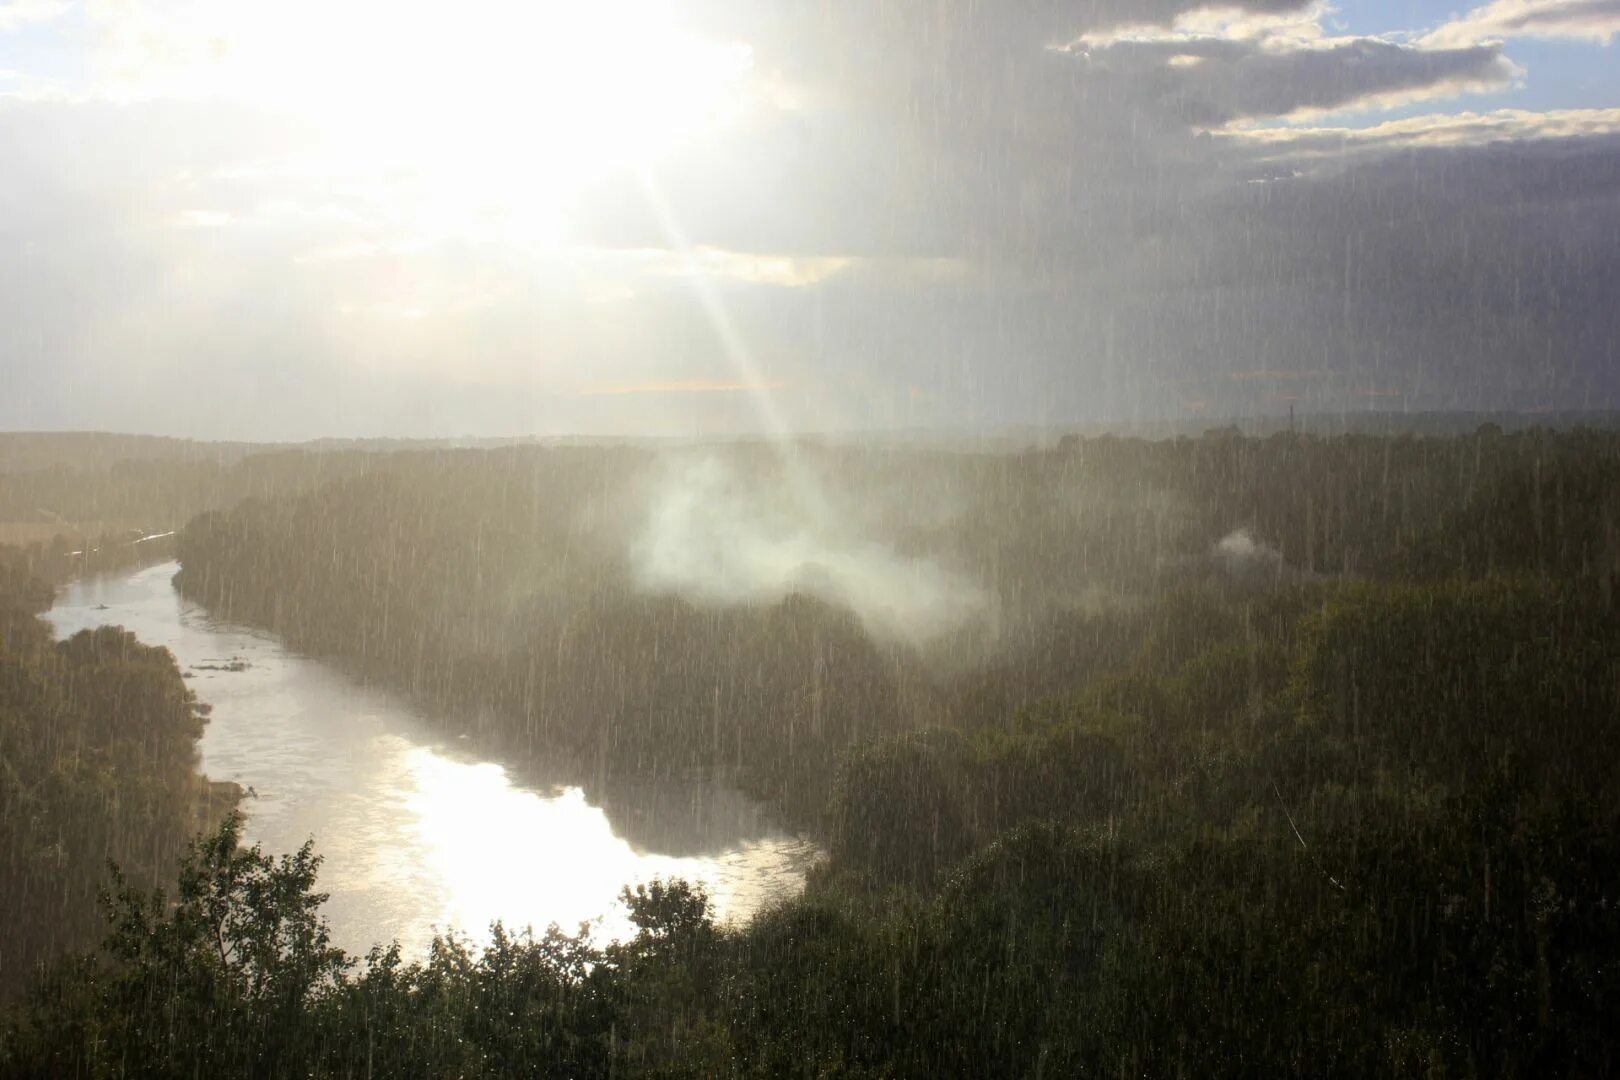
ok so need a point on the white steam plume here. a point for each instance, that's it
(717, 535)
(1242, 554)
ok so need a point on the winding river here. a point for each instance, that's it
(418, 836)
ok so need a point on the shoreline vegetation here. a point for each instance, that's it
(98, 756)
(1218, 756)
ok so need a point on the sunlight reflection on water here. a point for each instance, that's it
(415, 836)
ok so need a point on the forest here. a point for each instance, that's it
(1226, 755)
(98, 765)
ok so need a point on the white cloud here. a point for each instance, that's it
(18, 14)
(1269, 79)
(1575, 20)
(783, 271)
(202, 219)
(1299, 144)
(1298, 25)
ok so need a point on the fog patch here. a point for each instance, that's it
(720, 533)
(1241, 553)
(1243, 558)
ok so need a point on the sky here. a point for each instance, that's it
(228, 219)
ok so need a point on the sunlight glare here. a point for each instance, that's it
(506, 852)
(485, 110)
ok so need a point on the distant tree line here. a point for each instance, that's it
(496, 586)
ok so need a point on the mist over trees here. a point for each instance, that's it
(515, 579)
(1217, 756)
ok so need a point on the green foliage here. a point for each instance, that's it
(1369, 830)
(497, 584)
(908, 808)
(209, 985)
(1351, 815)
(237, 978)
(97, 761)
(1452, 682)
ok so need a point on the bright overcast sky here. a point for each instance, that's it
(241, 219)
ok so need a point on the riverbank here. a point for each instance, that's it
(98, 765)
(419, 829)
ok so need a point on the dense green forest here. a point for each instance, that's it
(1222, 756)
(97, 762)
(508, 588)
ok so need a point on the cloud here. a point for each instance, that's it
(782, 271)
(1264, 375)
(923, 131)
(928, 213)
(19, 14)
(202, 219)
(679, 386)
(801, 38)
(1298, 25)
(1314, 147)
(1244, 80)
(1575, 20)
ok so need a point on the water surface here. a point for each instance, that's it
(417, 834)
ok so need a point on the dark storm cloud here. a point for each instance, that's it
(842, 33)
(1051, 153)
(1136, 246)
(1236, 80)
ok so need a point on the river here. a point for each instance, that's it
(417, 834)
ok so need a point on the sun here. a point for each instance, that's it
(494, 111)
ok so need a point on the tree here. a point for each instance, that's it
(219, 983)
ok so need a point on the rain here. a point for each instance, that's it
(697, 538)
